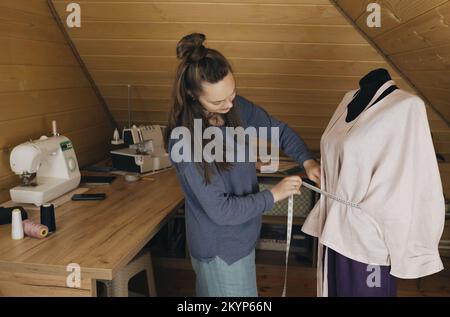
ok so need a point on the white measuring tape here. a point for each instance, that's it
(288, 239)
(334, 197)
(290, 217)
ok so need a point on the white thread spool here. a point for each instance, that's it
(16, 225)
(156, 163)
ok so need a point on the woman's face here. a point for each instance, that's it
(218, 97)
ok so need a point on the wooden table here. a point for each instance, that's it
(100, 236)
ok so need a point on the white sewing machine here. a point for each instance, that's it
(48, 169)
(145, 151)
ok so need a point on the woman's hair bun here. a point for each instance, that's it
(191, 47)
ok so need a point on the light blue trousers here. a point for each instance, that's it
(218, 279)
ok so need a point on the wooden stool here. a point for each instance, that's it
(118, 287)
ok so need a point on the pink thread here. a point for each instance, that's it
(35, 230)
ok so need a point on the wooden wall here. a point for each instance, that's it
(41, 81)
(415, 36)
(296, 58)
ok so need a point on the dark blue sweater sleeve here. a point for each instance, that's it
(224, 208)
(290, 142)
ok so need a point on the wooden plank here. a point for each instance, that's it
(208, 12)
(15, 78)
(20, 13)
(440, 98)
(314, 2)
(428, 30)
(445, 177)
(395, 13)
(438, 125)
(91, 155)
(41, 102)
(160, 116)
(292, 115)
(304, 121)
(242, 80)
(307, 67)
(30, 52)
(281, 220)
(242, 65)
(28, 20)
(442, 106)
(272, 107)
(256, 94)
(442, 147)
(441, 136)
(43, 285)
(434, 79)
(262, 80)
(94, 136)
(433, 58)
(6, 183)
(49, 33)
(218, 32)
(353, 8)
(432, 115)
(141, 116)
(230, 49)
(36, 7)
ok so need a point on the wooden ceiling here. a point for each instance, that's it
(415, 35)
(295, 58)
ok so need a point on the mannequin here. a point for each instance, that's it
(369, 85)
(382, 158)
(341, 269)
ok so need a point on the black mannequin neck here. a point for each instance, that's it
(369, 85)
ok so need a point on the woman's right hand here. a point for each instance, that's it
(286, 187)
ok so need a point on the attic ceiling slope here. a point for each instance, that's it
(296, 58)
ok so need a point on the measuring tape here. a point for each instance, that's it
(290, 217)
(288, 241)
(334, 197)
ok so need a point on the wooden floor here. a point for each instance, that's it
(174, 277)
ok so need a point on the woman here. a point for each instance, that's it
(222, 199)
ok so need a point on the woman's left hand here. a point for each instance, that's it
(312, 169)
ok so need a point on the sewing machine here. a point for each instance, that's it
(145, 151)
(48, 168)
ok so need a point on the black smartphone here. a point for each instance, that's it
(99, 196)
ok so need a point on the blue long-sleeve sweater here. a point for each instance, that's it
(223, 218)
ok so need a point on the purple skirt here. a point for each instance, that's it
(349, 278)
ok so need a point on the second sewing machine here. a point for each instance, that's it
(145, 152)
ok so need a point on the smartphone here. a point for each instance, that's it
(99, 196)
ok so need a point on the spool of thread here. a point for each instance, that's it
(132, 177)
(48, 217)
(34, 230)
(156, 163)
(16, 225)
(6, 214)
